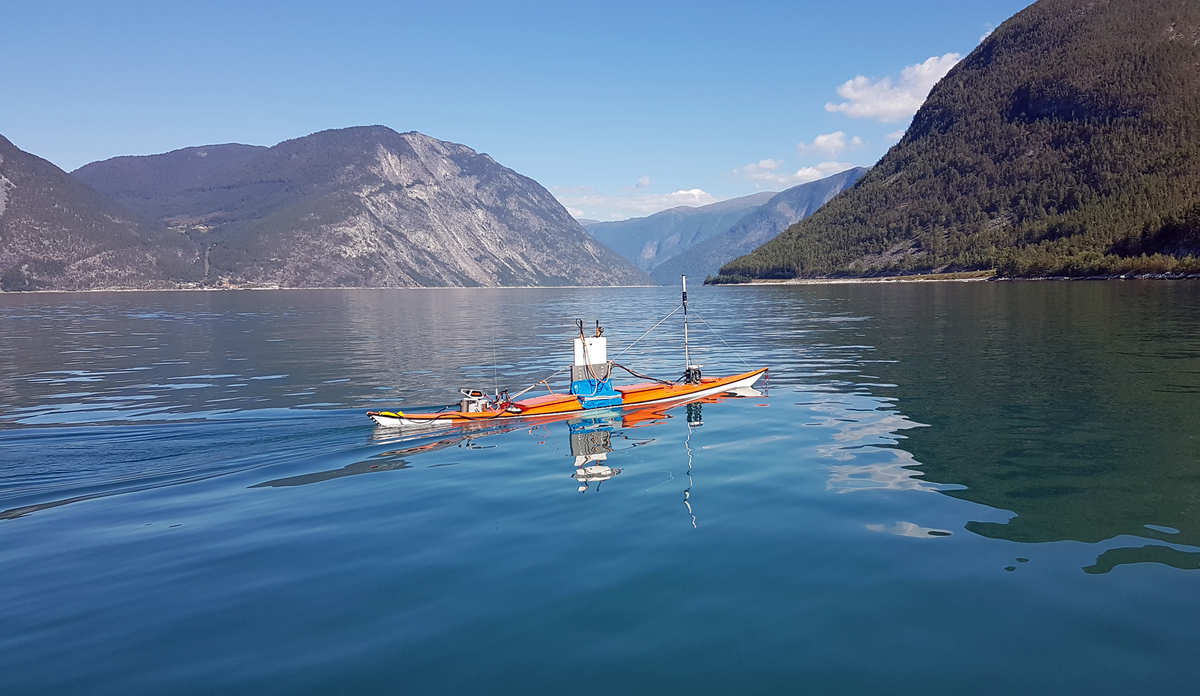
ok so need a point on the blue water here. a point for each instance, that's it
(943, 488)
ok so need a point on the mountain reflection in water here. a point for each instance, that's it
(1074, 406)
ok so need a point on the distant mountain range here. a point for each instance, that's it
(355, 207)
(648, 241)
(757, 227)
(1066, 143)
(697, 241)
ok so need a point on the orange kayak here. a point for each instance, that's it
(645, 393)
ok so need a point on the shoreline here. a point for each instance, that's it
(880, 279)
(961, 277)
(17, 293)
(964, 277)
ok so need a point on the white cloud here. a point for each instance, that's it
(768, 165)
(643, 182)
(880, 99)
(583, 201)
(896, 135)
(830, 143)
(988, 29)
(768, 173)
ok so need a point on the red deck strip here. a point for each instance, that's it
(544, 400)
(640, 386)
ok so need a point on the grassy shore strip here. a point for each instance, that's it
(961, 276)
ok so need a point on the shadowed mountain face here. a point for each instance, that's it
(57, 233)
(1065, 144)
(648, 241)
(758, 227)
(359, 207)
(147, 185)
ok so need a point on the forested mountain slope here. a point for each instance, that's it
(149, 184)
(58, 234)
(1067, 143)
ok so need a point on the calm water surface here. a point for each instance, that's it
(945, 488)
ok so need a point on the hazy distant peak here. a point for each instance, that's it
(648, 241)
(756, 227)
(739, 203)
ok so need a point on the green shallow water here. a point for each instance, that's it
(945, 488)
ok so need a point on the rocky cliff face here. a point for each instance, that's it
(57, 233)
(364, 207)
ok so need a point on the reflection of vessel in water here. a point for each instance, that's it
(392, 460)
(591, 388)
(694, 420)
(591, 442)
(395, 459)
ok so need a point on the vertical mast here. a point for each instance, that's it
(687, 358)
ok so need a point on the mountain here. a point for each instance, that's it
(756, 228)
(145, 184)
(57, 233)
(1066, 143)
(363, 206)
(648, 241)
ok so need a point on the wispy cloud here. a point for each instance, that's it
(582, 201)
(643, 182)
(880, 99)
(896, 135)
(987, 31)
(830, 143)
(770, 173)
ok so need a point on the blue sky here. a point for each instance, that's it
(619, 108)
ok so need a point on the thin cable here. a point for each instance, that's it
(641, 376)
(541, 381)
(714, 332)
(648, 332)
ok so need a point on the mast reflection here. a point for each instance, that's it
(694, 420)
